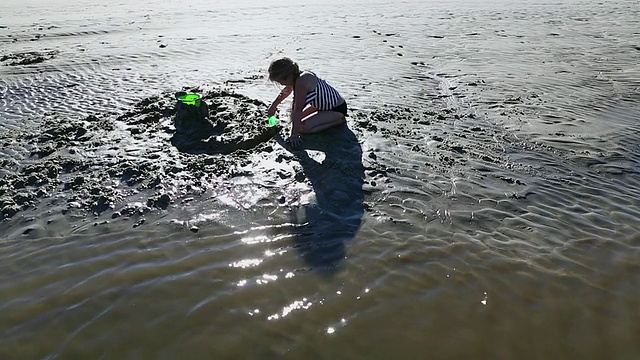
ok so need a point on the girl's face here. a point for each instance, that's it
(288, 81)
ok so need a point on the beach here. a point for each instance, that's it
(482, 200)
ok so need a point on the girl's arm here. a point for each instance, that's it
(280, 98)
(299, 96)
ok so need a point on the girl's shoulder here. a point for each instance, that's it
(308, 74)
(308, 78)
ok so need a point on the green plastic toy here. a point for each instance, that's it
(272, 120)
(189, 99)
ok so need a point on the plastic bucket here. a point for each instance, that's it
(189, 99)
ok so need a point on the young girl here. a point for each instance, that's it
(316, 105)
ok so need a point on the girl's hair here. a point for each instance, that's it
(282, 69)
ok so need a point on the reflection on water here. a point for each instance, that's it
(326, 225)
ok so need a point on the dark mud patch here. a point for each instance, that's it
(143, 165)
(144, 161)
(94, 164)
(27, 58)
(224, 123)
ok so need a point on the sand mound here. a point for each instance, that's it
(94, 163)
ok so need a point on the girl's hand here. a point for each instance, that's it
(294, 139)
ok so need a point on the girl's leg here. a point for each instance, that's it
(308, 111)
(322, 120)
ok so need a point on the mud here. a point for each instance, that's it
(150, 158)
(93, 164)
(225, 122)
(159, 155)
(27, 58)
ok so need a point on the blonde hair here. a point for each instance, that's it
(283, 68)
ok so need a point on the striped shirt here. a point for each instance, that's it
(324, 96)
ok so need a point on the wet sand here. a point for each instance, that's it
(481, 202)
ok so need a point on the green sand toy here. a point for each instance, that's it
(272, 120)
(189, 99)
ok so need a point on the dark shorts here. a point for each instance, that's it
(342, 108)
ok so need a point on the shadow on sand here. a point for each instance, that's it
(324, 227)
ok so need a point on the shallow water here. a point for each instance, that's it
(488, 209)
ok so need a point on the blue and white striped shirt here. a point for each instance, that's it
(324, 96)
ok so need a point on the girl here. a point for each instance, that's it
(316, 105)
